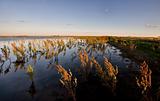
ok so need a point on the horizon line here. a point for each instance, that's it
(74, 36)
(79, 34)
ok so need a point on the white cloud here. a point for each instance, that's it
(106, 11)
(152, 26)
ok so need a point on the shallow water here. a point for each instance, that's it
(16, 85)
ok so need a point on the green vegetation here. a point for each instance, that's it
(140, 48)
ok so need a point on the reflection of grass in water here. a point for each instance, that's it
(32, 89)
(18, 66)
(30, 73)
(90, 68)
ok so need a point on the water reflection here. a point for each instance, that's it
(43, 54)
(32, 88)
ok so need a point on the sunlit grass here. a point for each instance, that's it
(144, 80)
(67, 80)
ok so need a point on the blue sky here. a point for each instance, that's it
(84, 17)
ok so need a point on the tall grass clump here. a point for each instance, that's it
(6, 53)
(19, 52)
(144, 79)
(90, 66)
(68, 81)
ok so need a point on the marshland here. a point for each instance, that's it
(79, 68)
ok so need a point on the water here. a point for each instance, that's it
(16, 85)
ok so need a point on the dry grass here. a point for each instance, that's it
(111, 71)
(6, 52)
(32, 48)
(98, 68)
(96, 40)
(19, 51)
(107, 74)
(108, 70)
(86, 64)
(68, 81)
(144, 80)
(30, 72)
(84, 59)
(67, 78)
(47, 45)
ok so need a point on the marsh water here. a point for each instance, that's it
(16, 85)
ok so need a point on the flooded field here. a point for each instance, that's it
(74, 69)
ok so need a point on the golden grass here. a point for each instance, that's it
(20, 48)
(84, 59)
(68, 81)
(67, 78)
(111, 71)
(98, 68)
(6, 52)
(29, 69)
(30, 72)
(144, 80)
(19, 51)
(107, 74)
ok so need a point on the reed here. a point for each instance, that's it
(111, 71)
(19, 52)
(30, 72)
(144, 79)
(86, 65)
(98, 68)
(67, 80)
(60, 43)
(5, 57)
(84, 59)
(32, 49)
(107, 73)
(6, 53)
(46, 45)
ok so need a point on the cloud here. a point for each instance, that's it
(3, 21)
(69, 24)
(152, 26)
(106, 11)
(20, 21)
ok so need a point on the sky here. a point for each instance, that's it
(80, 17)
